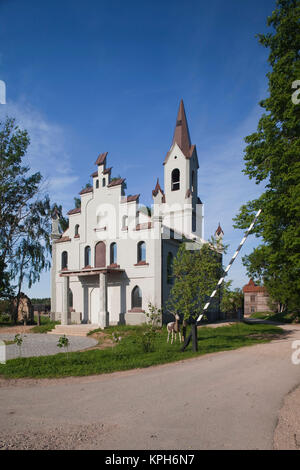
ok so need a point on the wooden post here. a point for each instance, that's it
(195, 337)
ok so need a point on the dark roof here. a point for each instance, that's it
(182, 135)
(86, 190)
(131, 198)
(219, 230)
(116, 182)
(101, 158)
(252, 287)
(157, 188)
(77, 210)
(63, 239)
(105, 172)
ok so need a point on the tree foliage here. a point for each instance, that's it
(25, 214)
(272, 157)
(196, 274)
(232, 299)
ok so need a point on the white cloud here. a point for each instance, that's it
(47, 152)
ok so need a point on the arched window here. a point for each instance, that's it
(76, 230)
(175, 180)
(100, 255)
(113, 253)
(141, 251)
(194, 222)
(87, 256)
(136, 298)
(97, 184)
(103, 182)
(70, 298)
(124, 222)
(170, 278)
(64, 260)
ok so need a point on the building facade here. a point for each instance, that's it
(256, 298)
(116, 256)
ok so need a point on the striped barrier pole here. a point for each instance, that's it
(222, 278)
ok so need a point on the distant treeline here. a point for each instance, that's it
(45, 301)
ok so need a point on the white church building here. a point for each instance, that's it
(116, 256)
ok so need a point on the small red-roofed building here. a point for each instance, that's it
(256, 298)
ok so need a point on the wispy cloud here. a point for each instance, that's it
(48, 152)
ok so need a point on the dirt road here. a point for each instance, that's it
(227, 400)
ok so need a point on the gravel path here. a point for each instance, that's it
(43, 344)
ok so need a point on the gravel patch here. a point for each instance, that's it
(74, 437)
(44, 345)
(287, 432)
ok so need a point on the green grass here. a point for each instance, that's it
(281, 317)
(128, 354)
(5, 320)
(45, 326)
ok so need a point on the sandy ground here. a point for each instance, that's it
(16, 329)
(227, 400)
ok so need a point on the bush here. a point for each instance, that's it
(5, 318)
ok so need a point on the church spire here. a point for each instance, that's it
(181, 133)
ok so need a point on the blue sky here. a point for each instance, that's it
(95, 76)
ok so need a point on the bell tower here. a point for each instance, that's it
(183, 207)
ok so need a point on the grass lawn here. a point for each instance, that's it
(128, 353)
(45, 326)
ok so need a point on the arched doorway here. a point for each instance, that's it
(100, 255)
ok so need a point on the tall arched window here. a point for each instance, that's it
(87, 256)
(100, 255)
(97, 184)
(141, 251)
(70, 298)
(193, 181)
(170, 278)
(124, 222)
(113, 253)
(76, 230)
(194, 222)
(103, 182)
(136, 297)
(175, 180)
(64, 260)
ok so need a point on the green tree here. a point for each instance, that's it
(272, 157)
(196, 274)
(232, 300)
(25, 215)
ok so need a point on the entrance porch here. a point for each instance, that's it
(102, 291)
